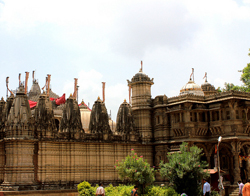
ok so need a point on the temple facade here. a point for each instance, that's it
(57, 144)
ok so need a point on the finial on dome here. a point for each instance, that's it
(192, 74)
(141, 66)
(125, 101)
(205, 77)
(2, 99)
(82, 103)
(70, 95)
(98, 98)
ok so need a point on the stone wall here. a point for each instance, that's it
(76, 162)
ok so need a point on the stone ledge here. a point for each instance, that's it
(41, 193)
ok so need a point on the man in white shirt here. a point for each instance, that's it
(206, 188)
(100, 190)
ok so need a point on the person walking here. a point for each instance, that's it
(100, 190)
(246, 188)
(206, 188)
(241, 185)
(134, 191)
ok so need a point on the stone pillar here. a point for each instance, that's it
(236, 146)
(236, 168)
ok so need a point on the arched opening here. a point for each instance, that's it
(57, 124)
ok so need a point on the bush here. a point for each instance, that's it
(161, 191)
(85, 189)
(214, 193)
(136, 170)
(120, 190)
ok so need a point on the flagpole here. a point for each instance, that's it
(218, 157)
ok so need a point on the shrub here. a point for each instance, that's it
(161, 191)
(85, 189)
(185, 169)
(136, 170)
(121, 190)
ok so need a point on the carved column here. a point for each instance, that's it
(236, 151)
(220, 115)
(181, 120)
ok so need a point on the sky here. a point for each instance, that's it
(105, 41)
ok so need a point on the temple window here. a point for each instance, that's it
(157, 120)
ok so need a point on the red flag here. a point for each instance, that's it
(215, 149)
(61, 100)
(32, 103)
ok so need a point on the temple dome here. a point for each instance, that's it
(125, 119)
(191, 88)
(141, 77)
(206, 86)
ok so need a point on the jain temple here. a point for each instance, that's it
(48, 142)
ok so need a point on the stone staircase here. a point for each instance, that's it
(235, 192)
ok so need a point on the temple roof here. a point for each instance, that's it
(191, 88)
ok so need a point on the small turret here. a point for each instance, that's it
(20, 123)
(125, 119)
(142, 104)
(35, 89)
(208, 88)
(99, 119)
(44, 118)
(125, 123)
(70, 125)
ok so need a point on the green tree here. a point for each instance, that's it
(136, 170)
(185, 169)
(245, 78)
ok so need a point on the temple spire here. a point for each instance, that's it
(141, 66)
(205, 77)
(19, 78)
(192, 74)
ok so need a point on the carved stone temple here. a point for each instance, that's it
(57, 144)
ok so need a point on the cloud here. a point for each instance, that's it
(148, 25)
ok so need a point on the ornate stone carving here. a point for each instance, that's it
(70, 125)
(99, 118)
